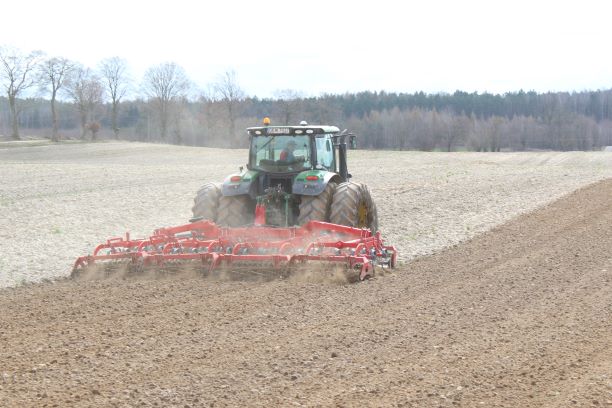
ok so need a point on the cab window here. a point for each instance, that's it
(280, 153)
(325, 153)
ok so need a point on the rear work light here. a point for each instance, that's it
(312, 178)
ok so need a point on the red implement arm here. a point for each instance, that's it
(215, 246)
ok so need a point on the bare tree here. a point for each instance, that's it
(16, 75)
(53, 75)
(87, 92)
(114, 73)
(76, 89)
(94, 97)
(231, 95)
(166, 85)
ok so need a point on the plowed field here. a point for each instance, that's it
(517, 316)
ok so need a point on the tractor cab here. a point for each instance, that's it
(293, 149)
(293, 175)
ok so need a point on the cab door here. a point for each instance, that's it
(325, 152)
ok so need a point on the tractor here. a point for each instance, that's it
(295, 174)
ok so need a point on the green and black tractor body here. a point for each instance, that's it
(295, 174)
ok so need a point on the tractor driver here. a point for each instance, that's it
(287, 155)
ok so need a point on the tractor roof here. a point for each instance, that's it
(291, 130)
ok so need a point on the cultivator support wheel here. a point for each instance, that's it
(255, 251)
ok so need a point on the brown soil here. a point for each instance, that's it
(519, 317)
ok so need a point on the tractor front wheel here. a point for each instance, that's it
(353, 206)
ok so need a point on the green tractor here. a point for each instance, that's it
(295, 174)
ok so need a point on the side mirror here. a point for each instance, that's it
(352, 141)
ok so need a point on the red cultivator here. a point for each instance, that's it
(206, 247)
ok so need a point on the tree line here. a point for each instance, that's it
(57, 98)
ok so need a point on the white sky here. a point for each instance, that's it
(331, 46)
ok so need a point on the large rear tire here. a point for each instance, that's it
(353, 206)
(206, 202)
(235, 211)
(317, 208)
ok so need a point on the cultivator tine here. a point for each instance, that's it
(257, 251)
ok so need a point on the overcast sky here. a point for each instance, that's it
(325, 46)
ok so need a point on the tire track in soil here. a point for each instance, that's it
(518, 316)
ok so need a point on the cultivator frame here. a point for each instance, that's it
(209, 247)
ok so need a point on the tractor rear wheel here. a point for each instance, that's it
(353, 206)
(206, 201)
(235, 211)
(317, 208)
